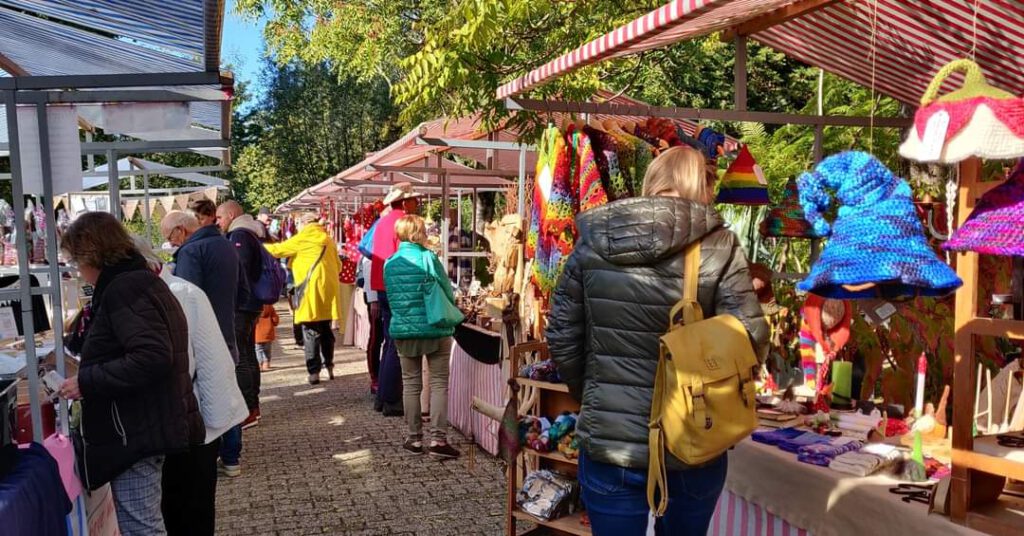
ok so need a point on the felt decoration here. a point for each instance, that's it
(825, 325)
(743, 183)
(996, 227)
(976, 120)
(877, 247)
(713, 142)
(509, 443)
(786, 219)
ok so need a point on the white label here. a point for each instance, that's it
(885, 311)
(759, 173)
(934, 136)
(8, 327)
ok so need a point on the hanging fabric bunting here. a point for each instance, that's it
(181, 201)
(877, 247)
(128, 207)
(211, 193)
(996, 227)
(153, 205)
(786, 219)
(167, 202)
(744, 182)
(976, 120)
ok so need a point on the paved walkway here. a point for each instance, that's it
(323, 462)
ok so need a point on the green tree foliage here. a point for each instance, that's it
(310, 125)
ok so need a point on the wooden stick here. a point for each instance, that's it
(1005, 425)
(940, 412)
(988, 387)
(1017, 423)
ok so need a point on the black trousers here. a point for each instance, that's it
(297, 333)
(376, 342)
(318, 345)
(189, 502)
(247, 371)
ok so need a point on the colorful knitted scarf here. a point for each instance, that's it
(607, 157)
(552, 234)
(588, 176)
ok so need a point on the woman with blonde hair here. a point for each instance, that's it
(407, 276)
(610, 308)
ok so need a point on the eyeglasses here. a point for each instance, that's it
(170, 235)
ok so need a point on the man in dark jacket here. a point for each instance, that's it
(245, 234)
(207, 260)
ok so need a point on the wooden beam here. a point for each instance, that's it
(966, 310)
(453, 172)
(773, 18)
(13, 69)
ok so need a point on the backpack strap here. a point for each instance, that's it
(657, 475)
(689, 307)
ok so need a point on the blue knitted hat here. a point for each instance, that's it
(876, 236)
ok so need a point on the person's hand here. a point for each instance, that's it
(69, 389)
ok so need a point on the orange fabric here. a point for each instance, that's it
(839, 335)
(267, 324)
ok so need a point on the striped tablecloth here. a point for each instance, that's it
(468, 378)
(735, 516)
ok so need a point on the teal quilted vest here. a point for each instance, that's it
(405, 277)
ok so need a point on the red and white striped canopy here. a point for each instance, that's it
(912, 39)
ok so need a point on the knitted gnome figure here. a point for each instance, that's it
(877, 247)
(996, 227)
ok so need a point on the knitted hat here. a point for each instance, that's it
(877, 246)
(996, 227)
(975, 120)
(743, 183)
(786, 219)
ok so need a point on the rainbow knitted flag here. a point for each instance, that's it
(743, 183)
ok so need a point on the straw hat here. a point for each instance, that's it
(400, 192)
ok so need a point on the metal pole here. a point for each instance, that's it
(145, 207)
(55, 290)
(522, 184)
(22, 244)
(115, 183)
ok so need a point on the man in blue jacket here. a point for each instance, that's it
(207, 260)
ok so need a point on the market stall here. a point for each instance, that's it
(68, 79)
(865, 357)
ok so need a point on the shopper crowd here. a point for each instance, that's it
(171, 354)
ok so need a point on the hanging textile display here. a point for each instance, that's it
(744, 182)
(877, 247)
(591, 191)
(996, 227)
(129, 207)
(552, 225)
(786, 219)
(976, 120)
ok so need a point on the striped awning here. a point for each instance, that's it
(896, 46)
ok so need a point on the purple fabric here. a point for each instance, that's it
(996, 227)
(823, 453)
(802, 440)
(774, 437)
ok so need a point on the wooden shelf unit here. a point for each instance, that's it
(970, 460)
(546, 398)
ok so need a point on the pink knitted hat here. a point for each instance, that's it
(996, 227)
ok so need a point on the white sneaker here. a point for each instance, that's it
(231, 471)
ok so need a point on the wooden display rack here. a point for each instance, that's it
(978, 466)
(539, 398)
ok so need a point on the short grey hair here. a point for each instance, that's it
(177, 218)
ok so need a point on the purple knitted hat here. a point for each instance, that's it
(996, 227)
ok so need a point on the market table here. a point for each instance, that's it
(468, 378)
(817, 499)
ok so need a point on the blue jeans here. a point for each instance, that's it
(616, 498)
(231, 446)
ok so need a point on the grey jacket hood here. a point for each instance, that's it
(644, 230)
(248, 223)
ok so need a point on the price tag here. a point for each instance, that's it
(934, 136)
(8, 327)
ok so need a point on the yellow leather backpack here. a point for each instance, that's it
(704, 389)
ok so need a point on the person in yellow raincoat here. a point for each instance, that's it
(313, 259)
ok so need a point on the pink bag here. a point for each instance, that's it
(62, 450)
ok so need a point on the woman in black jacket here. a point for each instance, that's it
(610, 308)
(133, 383)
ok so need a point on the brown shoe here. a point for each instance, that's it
(265, 366)
(330, 372)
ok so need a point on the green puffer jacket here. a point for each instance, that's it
(406, 275)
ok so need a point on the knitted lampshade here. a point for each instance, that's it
(876, 238)
(982, 120)
(743, 183)
(786, 219)
(996, 227)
